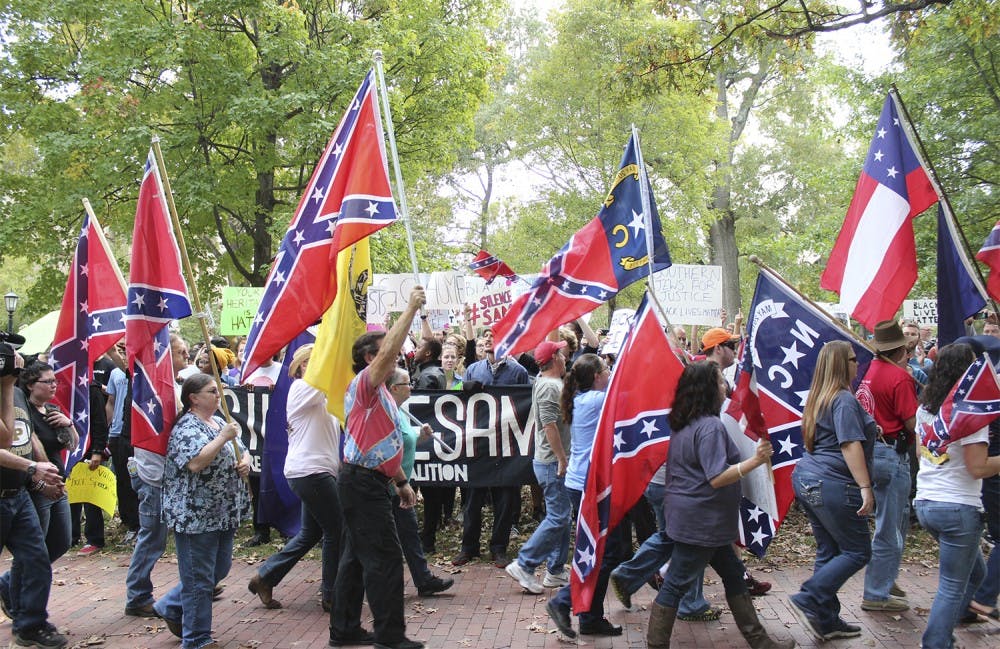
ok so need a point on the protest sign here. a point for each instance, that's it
(97, 487)
(491, 435)
(690, 294)
(446, 290)
(923, 311)
(239, 306)
(621, 321)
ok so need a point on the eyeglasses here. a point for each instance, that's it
(730, 344)
(395, 384)
(48, 381)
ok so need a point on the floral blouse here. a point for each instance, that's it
(216, 499)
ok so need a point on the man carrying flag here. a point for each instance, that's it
(611, 252)
(347, 199)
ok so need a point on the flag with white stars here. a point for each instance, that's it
(91, 320)
(630, 444)
(989, 254)
(873, 264)
(157, 294)
(489, 267)
(960, 291)
(784, 335)
(347, 199)
(972, 404)
(608, 254)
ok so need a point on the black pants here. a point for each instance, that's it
(506, 505)
(371, 559)
(93, 526)
(128, 501)
(439, 502)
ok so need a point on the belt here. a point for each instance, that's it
(362, 470)
(9, 493)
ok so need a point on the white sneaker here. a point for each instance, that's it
(555, 581)
(527, 579)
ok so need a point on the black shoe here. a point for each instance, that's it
(463, 558)
(146, 610)
(601, 627)
(45, 636)
(257, 539)
(560, 615)
(842, 629)
(500, 559)
(405, 643)
(174, 626)
(435, 585)
(360, 637)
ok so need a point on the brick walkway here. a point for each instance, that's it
(485, 609)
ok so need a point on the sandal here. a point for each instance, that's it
(710, 615)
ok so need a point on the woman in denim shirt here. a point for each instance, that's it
(833, 485)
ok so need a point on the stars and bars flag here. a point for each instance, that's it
(91, 321)
(489, 267)
(960, 291)
(873, 264)
(347, 199)
(605, 256)
(784, 335)
(630, 444)
(973, 403)
(157, 294)
(989, 254)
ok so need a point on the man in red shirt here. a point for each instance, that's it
(889, 394)
(371, 560)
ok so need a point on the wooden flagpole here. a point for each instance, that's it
(192, 287)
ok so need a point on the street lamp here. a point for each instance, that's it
(10, 301)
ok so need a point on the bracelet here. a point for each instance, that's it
(402, 483)
(739, 469)
(38, 486)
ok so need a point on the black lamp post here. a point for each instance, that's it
(10, 301)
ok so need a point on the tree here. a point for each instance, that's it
(244, 95)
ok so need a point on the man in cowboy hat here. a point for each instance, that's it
(889, 394)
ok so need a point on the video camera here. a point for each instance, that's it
(7, 342)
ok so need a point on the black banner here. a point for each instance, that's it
(491, 435)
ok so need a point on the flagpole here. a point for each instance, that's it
(647, 217)
(377, 55)
(925, 160)
(192, 287)
(836, 321)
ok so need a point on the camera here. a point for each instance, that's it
(7, 367)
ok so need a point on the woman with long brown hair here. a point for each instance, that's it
(833, 485)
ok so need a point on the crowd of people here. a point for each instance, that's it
(863, 459)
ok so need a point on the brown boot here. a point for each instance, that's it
(746, 620)
(661, 626)
(263, 591)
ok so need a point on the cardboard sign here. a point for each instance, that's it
(97, 487)
(239, 306)
(923, 311)
(621, 322)
(690, 294)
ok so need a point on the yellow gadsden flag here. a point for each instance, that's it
(329, 366)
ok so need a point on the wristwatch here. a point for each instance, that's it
(32, 468)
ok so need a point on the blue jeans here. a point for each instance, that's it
(655, 494)
(957, 529)
(843, 545)
(203, 560)
(550, 541)
(321, 520)
(53, 520)
(891, 485)
(689, 561)
(988, 592)
(150, 543)
(646, 562)
(30, 577)
(409, 540)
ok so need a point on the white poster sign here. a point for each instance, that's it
(621, 321)
(690, 294)
(923, 311)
